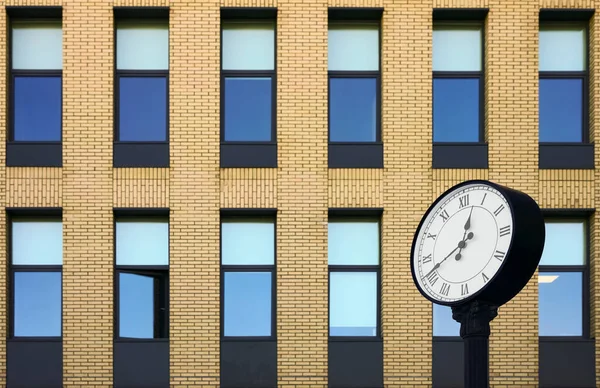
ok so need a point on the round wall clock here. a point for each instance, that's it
(478, 240)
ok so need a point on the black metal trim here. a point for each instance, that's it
(460, 14)
(354, 13)
(244, 213)
(566, 155)
(34, 12)
(141, 154)
(355, 155)
(364, 213)
(460, 155)
(42, 212)
(566, 14)
(146, 12)
(145, 212)
(248, 215)
(33, 154)
(248, 13)
(567, 213)
(248, 155)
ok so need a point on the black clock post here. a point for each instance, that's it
(474, 318)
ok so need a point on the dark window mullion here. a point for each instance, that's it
(562, 268)
(142, 73)
(458, 74)
(36, 268)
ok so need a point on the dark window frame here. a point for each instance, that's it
(32, 215)
(13, 73)
(272, 74)
(583, 269)
(338, 215)
(247, 215)
(376, 74)
(144, 153)
(462, 75)
(160, 274)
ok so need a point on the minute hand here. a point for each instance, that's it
(441, 261)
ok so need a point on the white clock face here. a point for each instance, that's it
(462, 243)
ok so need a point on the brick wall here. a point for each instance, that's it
(301, 188)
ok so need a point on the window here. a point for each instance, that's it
(457, 83)
(563, 83)
(354, 277)
(141, 277)
(36, 276)
(142, 89)
(443, 324)
(353, 82)
(248, 277)
(563, 279)
(248, 65)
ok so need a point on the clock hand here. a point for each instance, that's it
(463, 244)
(468, 223)
(444, 259)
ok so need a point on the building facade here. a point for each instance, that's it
(224, 192)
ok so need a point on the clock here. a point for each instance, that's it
(478, 240)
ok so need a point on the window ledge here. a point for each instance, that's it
(141, 154)
(356, 155)
(34, 154)
(566, 156)
(460, 155)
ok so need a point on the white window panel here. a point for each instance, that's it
(353, 243)
(353, 47)
(142, 242)
(248, 46)
(143, 45)
(37, 242)
(37, 45)
(565, 244)
(248, 243)
(562, 48)
(457, 48)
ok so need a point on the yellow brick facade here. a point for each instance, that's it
(302, 188)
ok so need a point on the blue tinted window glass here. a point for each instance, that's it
(352, 109)
(143, 109)
(456, 110)
(247, 109)
(38, 304)
(560, 303)
(353, 304)
(561, 111)
(37, 108)
(443, 324)
(247, 310)
(136, 306)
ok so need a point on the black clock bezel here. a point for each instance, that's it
(510, 277)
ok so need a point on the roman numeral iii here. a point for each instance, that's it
(505, 231)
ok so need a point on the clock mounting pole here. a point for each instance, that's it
(474, 318)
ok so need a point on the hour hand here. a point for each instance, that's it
(468, 223)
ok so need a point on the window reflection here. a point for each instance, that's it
(561, 110)
(352, 109)
(247, 109)
(37, 304)
(456, 109)
(247, 304)
(136, 306)
(560, 301)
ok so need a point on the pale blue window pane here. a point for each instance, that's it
(143, 109)
(562, 48)
(37, 45)
(248, 243)
(143, 45)
(457, 48)
(560, 303)
(353, 47)
(142, 242)
(352, 109)
(455, 110)
(248, 109)
(37, 242)
(37, 108)
(353, 304)
(38, 304)
(248, 46)
(565, 244)
(443, 324)
(247, 304)
(353, 243)
(561, 110)
(136, 306)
